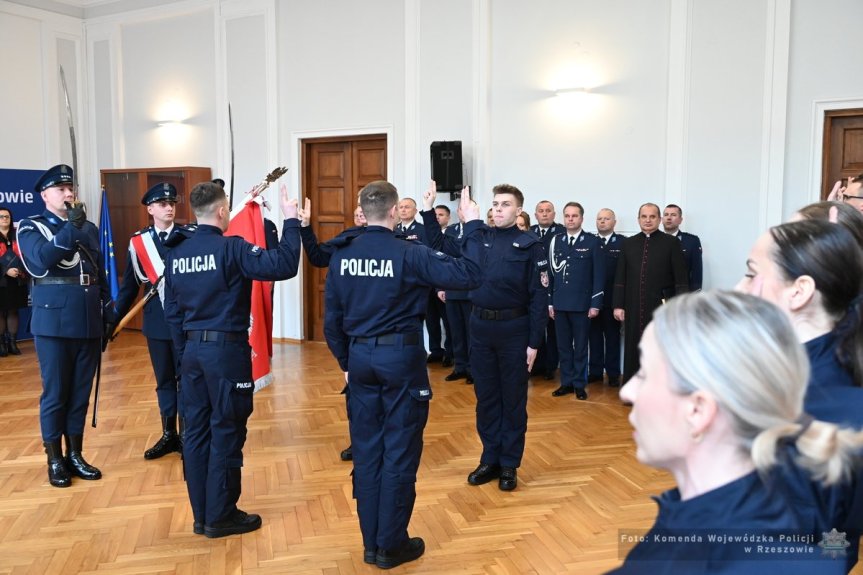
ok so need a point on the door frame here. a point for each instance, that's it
(816, 162)
(293, 293)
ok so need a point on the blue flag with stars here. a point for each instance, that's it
(107, 247)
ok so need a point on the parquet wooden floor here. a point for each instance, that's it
(579, 482)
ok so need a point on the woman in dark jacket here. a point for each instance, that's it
(13, 285)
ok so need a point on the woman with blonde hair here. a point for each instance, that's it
(718, 402)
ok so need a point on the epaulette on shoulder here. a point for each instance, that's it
(346, 236)
(180, 234)
(35, 217)
(139, 232)
(526, 239)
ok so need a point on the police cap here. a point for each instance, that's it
(57, 176)
(162, 192)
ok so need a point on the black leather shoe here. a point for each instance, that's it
(580, 393)
(238, 522)
(347, 454)
(548, 375)
(434, 358)
(508, 479)
(446, 362)
(369, 556)
(198, 528)
(168, 443)
(483, 474)
(456, 375)
(562, 390)
(75, 462)
(410, 551)
(58, 474)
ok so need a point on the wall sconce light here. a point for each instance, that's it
(170, 123)
(570, 90)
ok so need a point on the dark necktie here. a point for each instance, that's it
(163, 236)
(571, 241)
(603, 240)
(541, 233)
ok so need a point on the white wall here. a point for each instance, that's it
(706, 103)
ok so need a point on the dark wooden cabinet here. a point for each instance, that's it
(126, 187)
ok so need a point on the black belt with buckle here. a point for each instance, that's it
(499, 314)
(210, 335)
(83, 280)
(391, 339)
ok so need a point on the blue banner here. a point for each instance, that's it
(17, 194)
(107, 247)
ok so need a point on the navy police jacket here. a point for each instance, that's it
(831, 394)
(720, 532)
(155, 326)
(691, 245)
(611, 249)
(378, 284)
(516, 276)
(448, 241)
(414, 231)
(554, 229)
(577, 273)
(53, 248)
(208, 278)
(319, 254)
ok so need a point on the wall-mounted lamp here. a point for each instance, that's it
(571, 90)
(170, 123)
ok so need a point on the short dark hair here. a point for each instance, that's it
(442, 207)
(204, 196)
(509, 189)
(219, 181)
(11, 237)
(377, 198)
(676, 207)
(574, 205)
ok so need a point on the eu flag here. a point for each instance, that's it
(107, 247)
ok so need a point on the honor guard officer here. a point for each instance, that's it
(376, 296)
(577, 267)
(145, 266)
(60, 249)
(508, 320)
(208, 286)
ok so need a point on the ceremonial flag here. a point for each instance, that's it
(107, 247)
(249, 225)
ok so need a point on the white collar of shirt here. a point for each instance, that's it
(568, 236)
(605, 237)
(169, 229)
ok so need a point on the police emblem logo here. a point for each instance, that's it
(543, 278)
(255, 249)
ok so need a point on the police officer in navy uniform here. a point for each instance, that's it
(208, 284)
(508, 320)
(376, 295)
(546, 228)
(141, 269)
(457, 301)
(577, 277)
(604, 329)
(672, 217)
(71, 306)
(408, 226)
(319, 255)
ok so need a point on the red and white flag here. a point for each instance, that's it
(249, 225)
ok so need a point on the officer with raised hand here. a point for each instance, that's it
(208, 284)
(60, 250)
(376, 297)
(145, 266)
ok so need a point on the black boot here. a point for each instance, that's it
(58, 475)
(12, 345)
(168, 443)
(75, 460)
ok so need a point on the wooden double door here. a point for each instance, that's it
(843, 147)
(334, 171)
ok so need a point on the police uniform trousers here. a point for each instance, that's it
(498, 358)
(389, 404)
(164, 361)
(547, 356)
(68, 366)
(458, 317)
(217, 402)
(440, 341)
(605, 344)
(573, 334)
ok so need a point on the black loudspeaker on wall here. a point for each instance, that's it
(446, 166)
